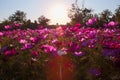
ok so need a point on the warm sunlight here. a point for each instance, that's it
(59, 11)
(59, 14)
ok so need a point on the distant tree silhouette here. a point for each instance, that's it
(35, 22)
(75, 13)
(78, 15)
(106, 16)
(18, 16)
(29, 24)
(43, 20)
(117, 14)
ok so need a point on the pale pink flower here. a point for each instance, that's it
(23, 41)
(1, 34)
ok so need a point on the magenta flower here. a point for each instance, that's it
(35, 54)
(112, 24)
(91, 21)
(79, 53)
(8, 53)
(1, 34)
(77, 25)
(74, 28)
(14, 52)
(23, 41)
(48, 49)
(17, 24)
(74, 47)
(54, 41)
(33, 39)
(59, 31)
(7, 27)
(27, 46)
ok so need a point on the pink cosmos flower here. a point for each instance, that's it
(91, 21)
(35, 54)
(14, 52)
(48, 49)
(10, 52)
(27, 46)
(7, 27)
(54, 41)
(74, 47)
(17, 24)
(112, 24)
(33, 39)
(1, 34)
(59, 31)
(77, 25)
(23, 41)
(74, 29)
(79, 53)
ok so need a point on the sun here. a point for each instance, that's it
(59, 14)
(59, 11)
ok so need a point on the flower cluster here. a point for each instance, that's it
(84, 44)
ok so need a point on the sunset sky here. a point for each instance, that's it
(55, 10)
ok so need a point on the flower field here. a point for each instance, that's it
(95, 53)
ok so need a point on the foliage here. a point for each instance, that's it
(43, 20)
(117, 14)
(18, 16)
(106, 16)
(78, 15)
